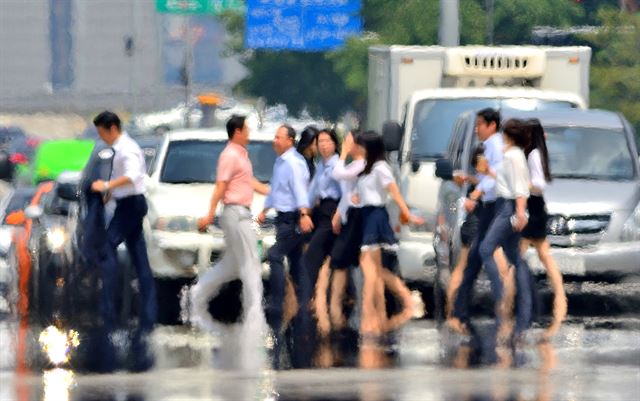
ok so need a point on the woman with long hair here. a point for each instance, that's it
(306, 146)
(374, 185)
(534, 234)
(512, 189)
(324, 194)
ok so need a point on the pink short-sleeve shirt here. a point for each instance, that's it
(234, 167)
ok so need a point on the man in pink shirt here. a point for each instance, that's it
(235, 185)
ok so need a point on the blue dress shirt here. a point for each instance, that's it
(323, 185)
(289, 184)
(494, 153)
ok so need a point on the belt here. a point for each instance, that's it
(237, 204)
(285, 214)
(124, 198)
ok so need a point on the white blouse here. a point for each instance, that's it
(538, 182)
(512, 177)
(372, 187)
(128, 161)
(347, 176)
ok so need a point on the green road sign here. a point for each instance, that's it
(197, 6)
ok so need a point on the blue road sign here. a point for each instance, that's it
(305, 25)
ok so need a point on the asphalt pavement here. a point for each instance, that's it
(595, 358)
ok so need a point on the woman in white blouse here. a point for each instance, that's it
(374, 185)
(512, 189)
(535, 231)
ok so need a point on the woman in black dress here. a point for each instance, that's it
(534, 234)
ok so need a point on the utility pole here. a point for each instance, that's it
(489, 5)
(188, 66)
(130, 50)
(449, 30)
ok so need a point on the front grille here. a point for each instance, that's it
(576, 231)
(496, 62)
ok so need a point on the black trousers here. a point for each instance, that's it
(485, 213)
(126, 226)
(289, 242)
(322, 239)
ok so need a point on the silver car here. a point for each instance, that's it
(593, 200)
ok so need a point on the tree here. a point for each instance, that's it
(514, 19)
(615, 72)
(330, 83)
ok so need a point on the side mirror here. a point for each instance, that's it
(16, 218)
(67, 191)
(391, 135)
(415, 166)
(33, 212)
(444, 169)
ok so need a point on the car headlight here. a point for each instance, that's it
(56, 238)
(631, 227)
(176, 224)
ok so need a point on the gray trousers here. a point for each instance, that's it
(239, 260)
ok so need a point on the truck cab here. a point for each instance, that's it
(416, 94)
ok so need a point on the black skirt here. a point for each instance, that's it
(537, 226)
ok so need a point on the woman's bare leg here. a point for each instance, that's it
(456, 280)
(401, 291)
(338, 289)
(320, 299)
(370, 323)
(380, 300)
(290, 307)
(555, 279)
(505, 308)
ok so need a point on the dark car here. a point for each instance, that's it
(49, 249)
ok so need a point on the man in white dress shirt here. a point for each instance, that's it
(126, 186)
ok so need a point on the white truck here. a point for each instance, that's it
(416, 94)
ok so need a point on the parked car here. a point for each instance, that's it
(593, 201)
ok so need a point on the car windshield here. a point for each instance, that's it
(589, 153)
(195, 161)
(19, 200)
(434, 119)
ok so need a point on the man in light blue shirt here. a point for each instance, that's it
(289, 196)
(482, 200)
